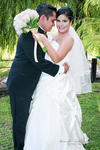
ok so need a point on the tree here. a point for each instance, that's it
(89, 30)
(86, 21)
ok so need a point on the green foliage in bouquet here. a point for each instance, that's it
(30, 25)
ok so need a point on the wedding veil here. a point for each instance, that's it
(79, 66)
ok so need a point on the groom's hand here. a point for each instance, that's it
(66, 67)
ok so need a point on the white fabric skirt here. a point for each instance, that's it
(55, 116)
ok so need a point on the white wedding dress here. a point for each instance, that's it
(55, 116)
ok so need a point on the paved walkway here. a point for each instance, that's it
(3, 87)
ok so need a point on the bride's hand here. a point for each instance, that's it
(66, 67)
(39, 37)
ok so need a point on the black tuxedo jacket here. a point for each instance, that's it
(25, 72)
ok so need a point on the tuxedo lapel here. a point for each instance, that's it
(41, 31)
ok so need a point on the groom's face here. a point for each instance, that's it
(50, 22)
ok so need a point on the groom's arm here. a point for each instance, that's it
(27, 44)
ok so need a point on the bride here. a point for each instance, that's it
(55, 116)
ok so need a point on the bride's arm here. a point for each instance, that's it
(62, 51)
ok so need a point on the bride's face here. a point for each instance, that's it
(63, 23)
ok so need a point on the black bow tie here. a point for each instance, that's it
(45, 33)
(42, 31)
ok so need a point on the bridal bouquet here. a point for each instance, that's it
(27, 21)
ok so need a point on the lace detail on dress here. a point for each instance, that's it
(85, 83)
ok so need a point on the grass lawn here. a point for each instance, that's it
(4, 67)
(90, 104)
(6, 142)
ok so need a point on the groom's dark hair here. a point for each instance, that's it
(45, 9)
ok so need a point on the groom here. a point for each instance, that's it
(25, 73)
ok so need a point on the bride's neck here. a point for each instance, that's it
(63, 33)
(60, 36)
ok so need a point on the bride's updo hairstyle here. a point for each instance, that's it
(67, 12)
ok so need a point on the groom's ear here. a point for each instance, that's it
(43, 17)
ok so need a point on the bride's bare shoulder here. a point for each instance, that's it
(68, 37)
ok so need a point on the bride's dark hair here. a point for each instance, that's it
(67, 12)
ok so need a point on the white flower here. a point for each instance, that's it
(31, 13)
(23, 18)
